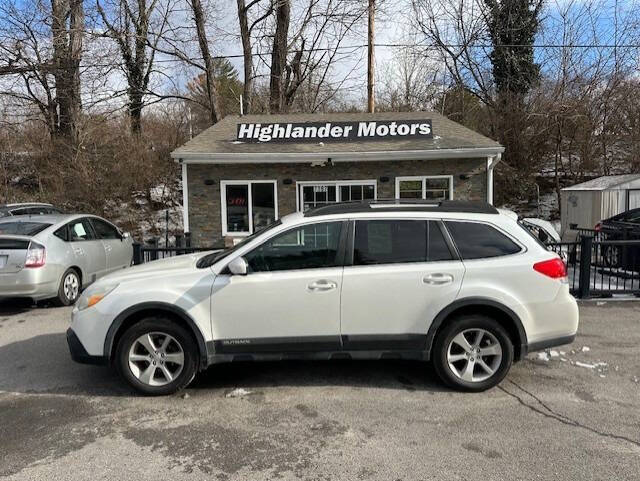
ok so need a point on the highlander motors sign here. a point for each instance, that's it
(335, 131)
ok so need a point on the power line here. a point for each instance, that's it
(348, 47)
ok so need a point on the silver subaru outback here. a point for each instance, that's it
(56, 256)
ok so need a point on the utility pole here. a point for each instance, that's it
(370, 58)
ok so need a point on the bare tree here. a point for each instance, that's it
(247, 27)
(279, 52)
(129, 24)
(212, 93)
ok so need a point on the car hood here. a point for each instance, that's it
(157, 268)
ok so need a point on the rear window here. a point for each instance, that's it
(630, 216)
(478, 241)
(398, 241)
(22, 228)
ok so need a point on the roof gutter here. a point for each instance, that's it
(306, 157)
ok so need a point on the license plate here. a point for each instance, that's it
(3, 261)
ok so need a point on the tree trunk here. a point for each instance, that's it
(279, 56)
(245, 35)
(215, 112)
(67, 52)
(135, 112)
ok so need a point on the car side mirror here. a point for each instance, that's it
(238, 266)
(124, 235)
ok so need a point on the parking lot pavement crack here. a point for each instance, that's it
(547, 412)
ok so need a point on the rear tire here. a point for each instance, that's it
(467, 362)
(157, 357)
(69, 288)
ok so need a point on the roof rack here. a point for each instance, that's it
(395, 205)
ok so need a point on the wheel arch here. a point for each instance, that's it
(136, 313)
(78, 270)
(478, 305)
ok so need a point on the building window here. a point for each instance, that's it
(436, 188)
(247, 206)
(317, 194)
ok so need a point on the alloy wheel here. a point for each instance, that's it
(156, 358)
(71, 286)
(474, 355)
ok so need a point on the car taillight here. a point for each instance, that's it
(597, 227)
(35, 255)
(554, 268)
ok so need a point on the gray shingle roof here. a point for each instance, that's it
(605, 182)
(220, 138)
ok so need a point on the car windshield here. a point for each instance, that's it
(210, 259)
(22, 228)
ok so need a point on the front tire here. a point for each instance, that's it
(472, 353)
(157, 357)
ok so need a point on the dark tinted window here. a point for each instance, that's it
(630, 216)
(475, 240)
(438, 248)
(305, 247)
(22, 228)
(62, 233)
(105, 230)
(398, 241)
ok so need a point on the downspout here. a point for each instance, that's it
(185, 198)
(492, 161)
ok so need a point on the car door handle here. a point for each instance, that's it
(322, 285)
(437, 279)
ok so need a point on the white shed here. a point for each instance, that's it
(588, 203)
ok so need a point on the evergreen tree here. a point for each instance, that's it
(513, 25)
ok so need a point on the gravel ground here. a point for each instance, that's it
(570, 414)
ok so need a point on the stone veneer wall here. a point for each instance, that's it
(205, 213)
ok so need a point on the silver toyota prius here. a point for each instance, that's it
(56, 256)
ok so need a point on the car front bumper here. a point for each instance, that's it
(79, 353)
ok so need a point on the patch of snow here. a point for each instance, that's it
(589, 365)
(542, 356)
(238, 392)
(554, 353)
(585, 349)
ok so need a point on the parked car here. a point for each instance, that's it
(624, 226)
(457, 283)
(32, 208)
(542, 229)
(57, 255)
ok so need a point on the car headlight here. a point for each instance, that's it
(95, 294)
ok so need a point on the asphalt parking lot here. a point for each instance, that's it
(572, 413)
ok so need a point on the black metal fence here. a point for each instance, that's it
(600, 267)
(153, 251)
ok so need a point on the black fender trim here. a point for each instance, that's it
(556, 341)
(478, 301)
(159, 306)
